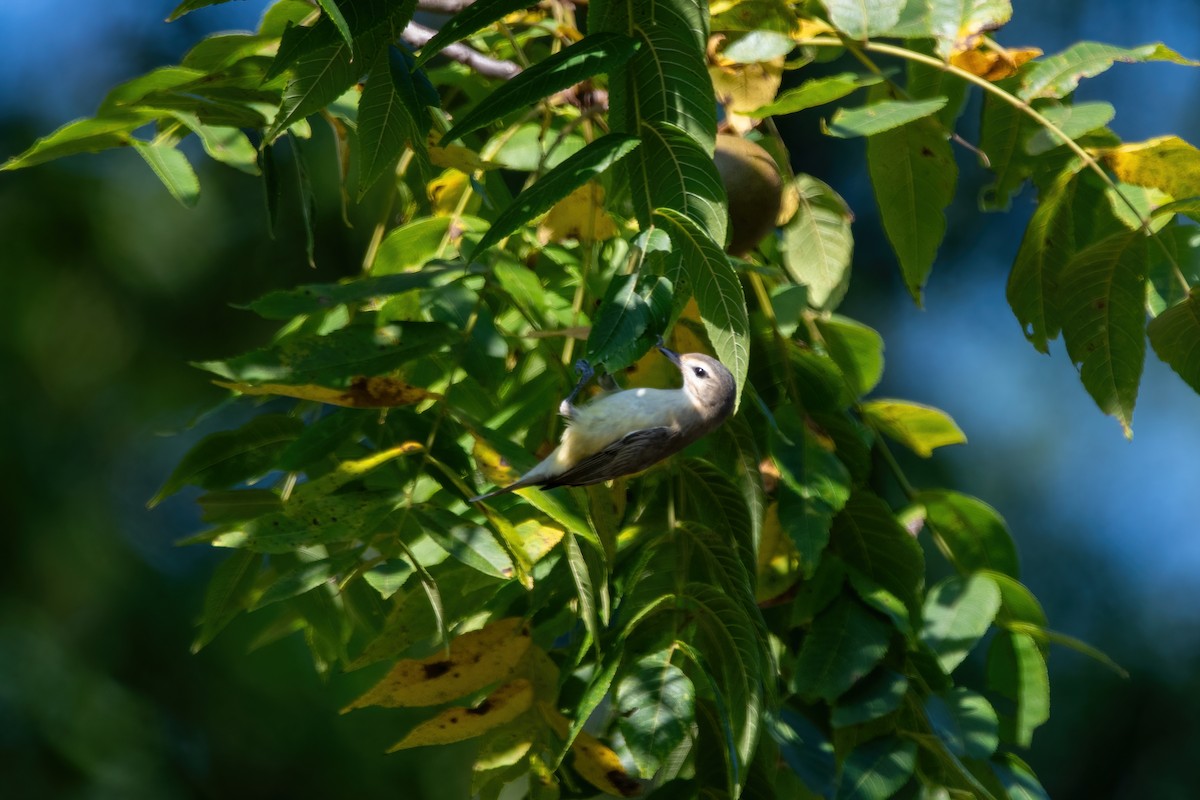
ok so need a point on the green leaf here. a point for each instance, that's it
(880, 116)
(173, 169)
(585, 589)
(672, 36)
(1003, 129)
(302, 578)
(671, 170)
(817, 244)
(83, 136)
(971, 531)
(335, 16)
(1103, 311)
(862, 19)
(589, 163)
(1017, 603)
(955, 22)
(316, 297)
(228, 594)
(1073, 120)
(965, 722)
(655, 708)
(390, 116)
(1017, 671)
(715, 503)
(876, 770)
(806, 750)
(1058, 75)
(856, 349)
(1018, 779)
(191, 5)
(957, 613)
(717, 290)
(867, 537)
(814, 92)
(474, 17)
(596, 54)
(1046, 248)
(134, 91)
(223, 459)
(226, 144)
(845, 642)
(335, 359)
(920, 428)
(914, 174)
(319, 78)
(1174, 334)
(875, 696)
(312, 520)
(626, 323)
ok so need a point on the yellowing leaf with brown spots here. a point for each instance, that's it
(745, 87)
(595, 762)
(476, 659)
(1167, 163)
(536, 539)
(495, 467)
(580, 215)
(456, 724)
(455, 156)
(363, 392)
(993, 65)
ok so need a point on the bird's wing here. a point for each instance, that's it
(631, 453)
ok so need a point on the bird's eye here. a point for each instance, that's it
(700, 373)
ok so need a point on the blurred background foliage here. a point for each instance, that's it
(111, 288)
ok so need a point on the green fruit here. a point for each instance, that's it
(754, 189)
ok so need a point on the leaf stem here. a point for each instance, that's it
(1016, 102)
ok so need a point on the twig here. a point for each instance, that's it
(443, 6)
(417, 35)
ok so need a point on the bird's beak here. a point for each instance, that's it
(671, 354)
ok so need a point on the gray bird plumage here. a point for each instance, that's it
(624, 432)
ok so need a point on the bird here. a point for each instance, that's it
(626, 431)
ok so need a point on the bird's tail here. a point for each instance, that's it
(502, 490)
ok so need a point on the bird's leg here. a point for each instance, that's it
(670, 354)
(586, 373)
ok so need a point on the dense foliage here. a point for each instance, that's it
(752, 616)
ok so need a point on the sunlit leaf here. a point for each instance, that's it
(957, 613)
(856, 349)
(880, 116)
(191, 5)
(817, 244)
(672, 171)
(964, 721)
(815, 92)
(1072, 120)
(287, 303)
(475, 660)
(173, 169)
(920, 428)
(994, 64)
(972, 531)
(457, 724)
(1167, 163)
(862, 19)
(473, 18)
(1102, 301)
(1058, 75)
(956, 23)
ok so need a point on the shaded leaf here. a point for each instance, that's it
(913, 173)
(655, 707)
(1103, 313)
(173, 169)
(1174, 334)
(595, 54)
(390, 116)
(671, 170)
(1016, 670)
(590, 162)
(920, 428)
(83, 136)
(806, 750)
(284, 304)
(227, 595)
(867, 537)
(1018, 779)
(456, 724)
(362, 392)
(191, 5)
(876, 770)
(844, 643)
(875, 696)
(965, 722)
(474, 17)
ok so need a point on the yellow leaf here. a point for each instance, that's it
(993, 64)
(457, 157)
(363, 392)
(811, 28)
(778, 560)
(744, 87)
(476, 659)
(595, 762)
(537, 539)
(506, 745)
(525, 18)
(1167, 163)
(447, 191)
(494, 467)
(580, 215)
(456, 724)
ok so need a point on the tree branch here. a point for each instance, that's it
(417, 35)
(443, 6)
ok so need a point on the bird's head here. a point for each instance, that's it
(707, 382)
